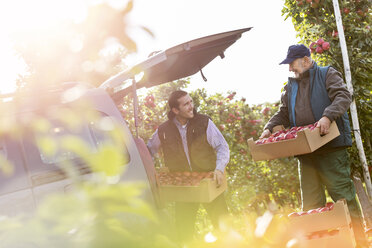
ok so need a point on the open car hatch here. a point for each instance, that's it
(174, 63)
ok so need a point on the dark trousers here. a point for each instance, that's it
(330, 171)
(186, 215)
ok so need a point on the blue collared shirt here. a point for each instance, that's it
(214, 138)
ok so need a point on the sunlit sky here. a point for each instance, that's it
(251, 66)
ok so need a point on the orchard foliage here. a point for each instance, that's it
(314, 20)
(252, 185)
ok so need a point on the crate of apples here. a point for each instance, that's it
(327, 226)
(185, 178)
(285, 134)
(291, 142)
(329, 206)
(188, 186)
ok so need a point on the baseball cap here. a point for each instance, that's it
(295, 52)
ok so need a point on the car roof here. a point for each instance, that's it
(177, 62)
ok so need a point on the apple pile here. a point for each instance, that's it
(182, 178)
(319, 46)
(328, 207)
(285, 134)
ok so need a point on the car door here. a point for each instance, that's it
(15, 188)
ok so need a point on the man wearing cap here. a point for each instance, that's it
(318, 94)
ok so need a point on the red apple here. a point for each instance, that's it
(319, 50)
(312, 46)
(330, 205)
(302, 213)
(299, 129)
(289, 136)
(276, 139)
(187, 173)
(294, 214)
(312, 211)
(194, 174)
(346, 11)
(325, 46)
(360, 13)
(308, 1)
(209, 174)
(323, 209)
(320, 41)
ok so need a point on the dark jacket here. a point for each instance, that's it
(201, 153)
(325, 95)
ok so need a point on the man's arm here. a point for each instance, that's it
(154, 143)
(339, 96)
(219, 144)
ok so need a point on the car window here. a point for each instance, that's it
(56, 133)
(90, 133)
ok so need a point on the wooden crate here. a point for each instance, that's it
(206, 191)
(314, 230)
(343, 239)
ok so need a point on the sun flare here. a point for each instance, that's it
(27, 20)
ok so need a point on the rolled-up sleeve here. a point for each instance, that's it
(219, 144)
(154, 143)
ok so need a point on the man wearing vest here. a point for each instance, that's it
(319, 94)
(191, 142)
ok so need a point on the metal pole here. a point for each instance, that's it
(135, 105)
(353, 109)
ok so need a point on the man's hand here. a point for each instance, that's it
(218, 176)
(266, 133)
(324, 124)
